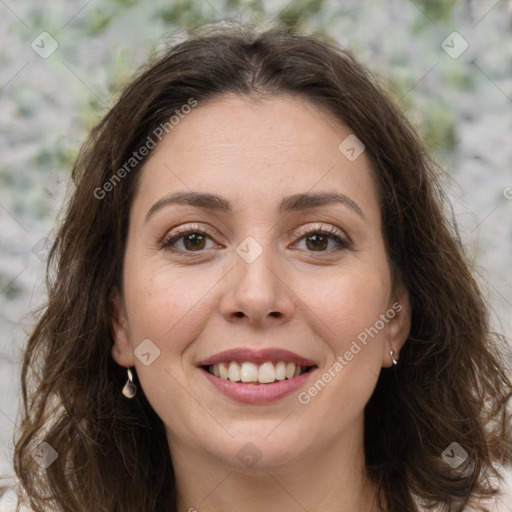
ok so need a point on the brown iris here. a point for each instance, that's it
(194, 241)
(317, 242)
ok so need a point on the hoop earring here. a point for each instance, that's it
(392, 353)
(129, 389)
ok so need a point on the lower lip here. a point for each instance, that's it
(257, 393)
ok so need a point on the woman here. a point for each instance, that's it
(256, 303)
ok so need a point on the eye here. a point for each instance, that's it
(191, 239)
(195, 239)
(318, 240)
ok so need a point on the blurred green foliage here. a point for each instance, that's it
(294, 14)
(438, 123)
(437, 10)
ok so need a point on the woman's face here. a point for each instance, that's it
(255, 248)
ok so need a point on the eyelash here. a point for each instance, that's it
(180, 233)
(330, 232)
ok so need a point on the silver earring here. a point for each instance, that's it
(129, 389)
(392, 353)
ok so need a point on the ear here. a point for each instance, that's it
(122, 349)
(399, 325)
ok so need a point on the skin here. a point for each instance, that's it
(295, 296)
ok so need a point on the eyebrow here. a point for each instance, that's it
(296, 202)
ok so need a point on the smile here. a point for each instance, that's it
(266, 373)
(257, 377)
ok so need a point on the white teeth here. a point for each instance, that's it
(280, 370)
(248, 372)
(290, 370)
(234, 372)
(223, 370)
(265, 373)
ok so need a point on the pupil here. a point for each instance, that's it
(194, 241)
(318, 241)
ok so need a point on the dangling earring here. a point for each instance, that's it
(392, 353)
(129, 389)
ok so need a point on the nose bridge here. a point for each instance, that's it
(256, 288)
(255, 274)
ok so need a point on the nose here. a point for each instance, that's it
(257, 292)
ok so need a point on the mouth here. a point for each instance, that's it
(257, 377)
(249, 372)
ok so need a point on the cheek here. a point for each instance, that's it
(347, 304)
(168, 305)
(170, 308)
(347, 315)
(345, 384)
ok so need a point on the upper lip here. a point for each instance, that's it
(241, 355)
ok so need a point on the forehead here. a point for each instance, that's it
(251, 147)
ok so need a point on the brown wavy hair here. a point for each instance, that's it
(451, 384)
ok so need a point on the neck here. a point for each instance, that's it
(331, 478)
